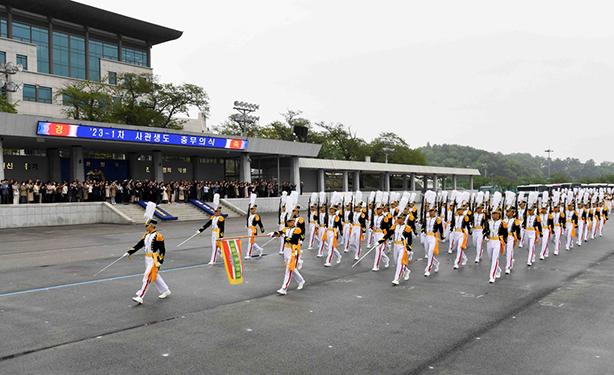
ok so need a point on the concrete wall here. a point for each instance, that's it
(34, 215)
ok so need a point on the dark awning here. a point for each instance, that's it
(97, 18)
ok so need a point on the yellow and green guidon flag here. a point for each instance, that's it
(233, 260)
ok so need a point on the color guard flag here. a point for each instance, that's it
(233, 260)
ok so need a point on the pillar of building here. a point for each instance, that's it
(454, 182)
(405, 182)
(55, 166)
(196, 173)
(77, 169)
(321, 182)
(412, 181)
(296, 174)
(471, 183)
(346, 181)
(132, 157)
(356, 181)
(1, 161)
(386, 181)
(245, 168)
(435, 181)
(156, 166)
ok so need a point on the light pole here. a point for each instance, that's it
(549, 151)
(387, 150)
(243, 118)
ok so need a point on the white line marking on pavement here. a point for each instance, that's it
(61, 286)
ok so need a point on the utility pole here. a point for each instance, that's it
(549, 151)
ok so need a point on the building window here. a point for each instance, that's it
(98, 50)
(2, 57)
(3, 28)
(38, 36)
(68, 55)
(112, 78)
(23, 61)
(39, 94)
(134, 56)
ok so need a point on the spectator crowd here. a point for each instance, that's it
(129, 191)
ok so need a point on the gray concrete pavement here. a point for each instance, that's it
(554, 318)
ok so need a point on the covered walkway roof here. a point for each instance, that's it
(331, 165)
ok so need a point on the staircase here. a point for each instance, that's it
(133, 211)
(184, 212)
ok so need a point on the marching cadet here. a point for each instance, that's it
(496, 234)
(532, 229)
(322, 219)
(448, 215)
(347, 226)
(558, 220)
(603, 217)
(479, 220)
(153, 242)
(571, 222)
(253, 220)
(581, 222)
(283, 217)
(401, 235)
(216, 222)
(370, 210)
(291, 235)
(459, 231)
(513, 236)
(359, 225)
(333, 228)
(433, 232)
(522, 210)
(547, 221)
(313, 225)
(381, 224)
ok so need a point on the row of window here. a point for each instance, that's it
(69, 51)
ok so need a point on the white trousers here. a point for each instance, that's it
(159, 282)
(346, 237)
(509, 253)
(289, 274)
(557, 239)
(322, 233)
(432, 262)
(569, 235)
(530, 238)
(580, 232)
(312, 234)
(398, 251)
(545, 243)
(355, 240)
(478, 243)
(594, 228)
(252, 245)
(215, 250)
(380, 251)
(457, 239)
(330, 246)
(493, 247)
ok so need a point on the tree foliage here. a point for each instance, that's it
(137, 99)
(6, 106)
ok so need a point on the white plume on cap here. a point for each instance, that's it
(378, 197)
(322, 199)
(487, 196)
(357, 198)
(444, 196)
(150, 209)
(521, 197)
(385, 197)
(429, 197)
(252, 199)
(466, 196)
(459, 199)
(496, 200)
(347, 197)
(533, 196)
(479, 199)
(404, 201)
(510, 199)
(314, 198)
(412, 197)
(289, 204)
(453, 195)
(371, 197)
(545, 199)
(284, 198)
(556, 198)
(216, 201)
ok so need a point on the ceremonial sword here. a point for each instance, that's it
(115, 261)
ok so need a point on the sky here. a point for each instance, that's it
(505, 76)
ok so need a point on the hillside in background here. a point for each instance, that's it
(509, 170)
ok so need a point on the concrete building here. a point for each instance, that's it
(60, 41)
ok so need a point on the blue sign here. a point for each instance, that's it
(57, 129)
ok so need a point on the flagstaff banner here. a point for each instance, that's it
(233, 260)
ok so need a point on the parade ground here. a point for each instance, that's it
(56, 317)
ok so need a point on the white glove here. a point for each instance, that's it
(271, 234)
(198, 231)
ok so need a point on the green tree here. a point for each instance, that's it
(400, 152)
(6, 106)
